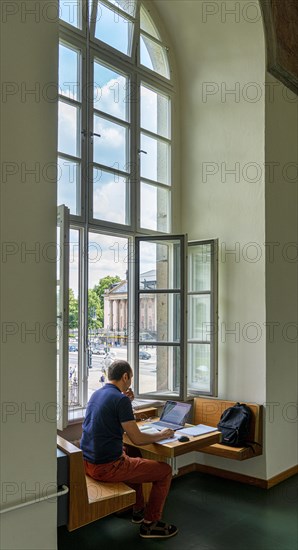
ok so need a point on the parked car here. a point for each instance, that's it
(72, 348)
(144, 354)
(98, 351)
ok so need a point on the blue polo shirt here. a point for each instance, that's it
(101, 441)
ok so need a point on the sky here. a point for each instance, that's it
(110, 98)
(108, 255)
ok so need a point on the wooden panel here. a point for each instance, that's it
(145, 414)
(282, 476)
(242, 478)
(208, 411)
(176, 448)
(281, 32)
(90, 500)
(235, 453)
(234, 476)
(98, 490)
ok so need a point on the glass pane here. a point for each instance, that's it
(154, 56)
(110, 91)
(199, 267)
(59, 321)
(199, 322)
(155, 163)
(155, 109)
(70, 12)
(160, 265)
(128, 6)
(107, 305)
(110, 148)
(198, 367)
(147, 24)
(68, 129)
(69, 84)
(113, 29)
(69, 185)
(155, 208)
(159, 373)
(73, 348)
(159, 316)
(109, 197)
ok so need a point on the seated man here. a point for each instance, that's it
(109, 413)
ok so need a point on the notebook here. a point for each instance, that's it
(173, 416)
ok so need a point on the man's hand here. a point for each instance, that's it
(129, 393)
(166, 433)
(142, 438)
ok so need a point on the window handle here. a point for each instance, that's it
(94, 134)
(142, 151)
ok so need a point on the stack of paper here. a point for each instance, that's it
(199, 429)
(149, 429)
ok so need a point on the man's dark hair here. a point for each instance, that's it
(118, 368)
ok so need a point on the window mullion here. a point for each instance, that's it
(93, 16)
(63, 317)
(134, 156)
(83, 278)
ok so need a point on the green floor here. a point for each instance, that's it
(211, 514)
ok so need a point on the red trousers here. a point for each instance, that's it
(134, 472)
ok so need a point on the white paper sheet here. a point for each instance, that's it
(199, 429)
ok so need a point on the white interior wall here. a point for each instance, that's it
(220, 55)
(222, 174)
(232, 211)
(281, 277)
(28, 312)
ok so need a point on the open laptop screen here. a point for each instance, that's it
(175, 412)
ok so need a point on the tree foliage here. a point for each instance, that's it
(94, 310)
(95, 303)
(73, 310)
(104, 284)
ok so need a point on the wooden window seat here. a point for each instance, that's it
(208, 411)
(89, 499)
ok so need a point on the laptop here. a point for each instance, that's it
(173, 416)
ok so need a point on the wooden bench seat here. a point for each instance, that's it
(90, 500)
(208, 411)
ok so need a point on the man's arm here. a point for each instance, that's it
(140, 438)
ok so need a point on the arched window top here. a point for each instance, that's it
(153, 53)
(122, 25)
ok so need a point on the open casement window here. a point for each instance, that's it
(172, 309)
(157, 309)
(202, 318)
(62, 285)
(160, 312)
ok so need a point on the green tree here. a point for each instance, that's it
(94, 310)
(104, 284)
(73, 310)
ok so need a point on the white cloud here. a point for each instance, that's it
(111, 98)
(67, 137)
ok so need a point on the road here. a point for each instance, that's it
(147, 369)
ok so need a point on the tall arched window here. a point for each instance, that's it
(114, 116)
(116, 189)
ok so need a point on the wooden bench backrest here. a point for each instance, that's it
(89, 499)
(208, 411)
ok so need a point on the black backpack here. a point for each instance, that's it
(234, 425)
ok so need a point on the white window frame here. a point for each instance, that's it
(62, 317)
(84, 39)
(212, 330)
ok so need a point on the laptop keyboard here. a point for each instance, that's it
(162, 424)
